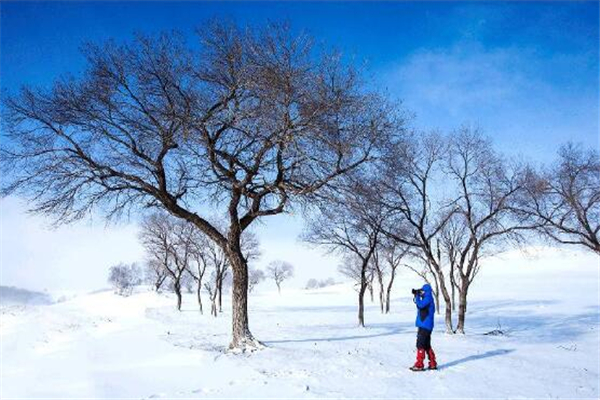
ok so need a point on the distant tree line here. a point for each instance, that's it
(181, 255)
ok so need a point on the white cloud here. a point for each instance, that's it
(527, 101)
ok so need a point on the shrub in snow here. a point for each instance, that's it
(255, 276)
(124, 277)
(312, 284)
(316, 284)
(280, 271)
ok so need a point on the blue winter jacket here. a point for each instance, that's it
(425, 308)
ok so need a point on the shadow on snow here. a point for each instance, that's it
(382, 330)
(474, 357)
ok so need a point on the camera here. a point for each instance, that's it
(417, 292)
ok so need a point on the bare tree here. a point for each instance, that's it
(410, 168)
(155, 274)
(378, 270)
(280, 271)
(488, 190)
(197, 269)
(220, 266)
(218, 262)
(450, 232)
(385, 262)
(565, 199)
(212, 288)
(255, 276)
(370, 280)
(251, 120)
(348, 223)
(351, 267)
(393, 257)
(170, 242)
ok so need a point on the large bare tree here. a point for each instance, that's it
(251, 120)
(487, 190)
(410, 189)
(566, 198)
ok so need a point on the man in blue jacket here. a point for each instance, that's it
(425, 313)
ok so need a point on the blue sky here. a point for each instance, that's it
(526, 73)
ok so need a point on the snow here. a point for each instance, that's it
(101, 345)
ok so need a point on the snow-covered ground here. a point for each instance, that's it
(101, 345)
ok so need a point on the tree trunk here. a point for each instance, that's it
(453, 297)
(453, 286)
(213, 307)
(361, 293)
(199, 296)
(381, 292)
(177, 288)
(462, 308)
(279, 288)
(436, 292)
(448, 317)
(389, 292)
(242, 339)
(220, 292)
(447, 300)
(361, 305)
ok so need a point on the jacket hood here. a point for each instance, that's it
(426, 288)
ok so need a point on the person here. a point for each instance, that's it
(423, 299)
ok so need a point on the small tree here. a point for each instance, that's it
(349, 224)
(155, 273)
(173, 243)
(124, 277)
(312, 284)
(280, 271)
(255, 276)
(198, 269)
(392, 254)
(212, 287)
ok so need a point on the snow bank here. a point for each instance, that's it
(105, 346)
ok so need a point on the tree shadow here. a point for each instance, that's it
(532, 326)
(474, 357)
(393, 329)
